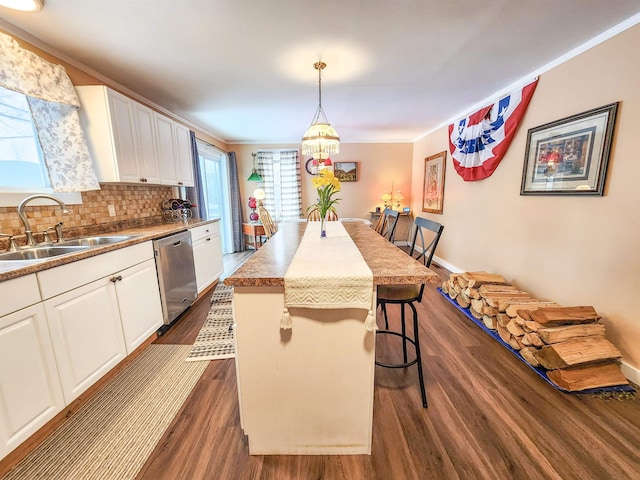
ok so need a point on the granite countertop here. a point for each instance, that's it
(388, 263)
(16, 268)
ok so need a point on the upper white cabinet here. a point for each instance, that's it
(183, 156)
(129, 142)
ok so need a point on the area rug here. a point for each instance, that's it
(114, 433)
(216, 339)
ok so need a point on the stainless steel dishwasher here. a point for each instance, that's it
(176, 274)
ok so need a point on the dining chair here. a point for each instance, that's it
(267, 222)
(428, 232)
(314, 215)
(388, 228)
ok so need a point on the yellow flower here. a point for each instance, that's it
(327, 185)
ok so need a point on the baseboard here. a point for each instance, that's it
(632, 373)
(447, 265)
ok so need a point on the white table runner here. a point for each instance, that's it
(328, 273)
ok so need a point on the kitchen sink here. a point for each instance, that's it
(44, 252)
(96, 240)
(40, 253)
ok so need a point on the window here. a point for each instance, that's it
(215, 185)
(280, 172)
(21, 161)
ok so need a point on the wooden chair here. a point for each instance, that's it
(314, 215)
(267, 222)
(408, 295)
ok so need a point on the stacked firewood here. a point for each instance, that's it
(568, 342)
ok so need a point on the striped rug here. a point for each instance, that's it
(216, 339)
(112, 435)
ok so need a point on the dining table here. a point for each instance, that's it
(305, 322)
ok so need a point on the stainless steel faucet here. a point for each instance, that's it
(23, 216)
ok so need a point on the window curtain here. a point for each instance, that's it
(54, 106)
(196, 193)
(237, 215)
(281, 181)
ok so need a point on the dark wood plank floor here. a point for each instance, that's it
(489, 417)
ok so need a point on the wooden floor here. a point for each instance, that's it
(489, 417)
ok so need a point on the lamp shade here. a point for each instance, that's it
(259, 194)
(24, 5)
(320, 140)
(254, 177)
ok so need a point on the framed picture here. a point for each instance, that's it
(433, 191)
(569, 156)
(346, 171)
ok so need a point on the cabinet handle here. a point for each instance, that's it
(116, 279)
(180, 183)
(208, 239)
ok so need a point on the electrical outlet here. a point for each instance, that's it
(112, 210)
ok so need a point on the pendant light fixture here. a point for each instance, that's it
(254, 177)
(23, 5)
(320, 140)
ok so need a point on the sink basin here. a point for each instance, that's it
(40, 253)
(96, 240)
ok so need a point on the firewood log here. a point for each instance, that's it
(463, 300)
(532, 339)
(580, 351)
(531, 326)
(504, 333)
(502, 319)
(527, 354)
(489, 288)
(489, 322)
(563, 333)
(516, 343)
(515, 329)
(445, 286)
(491, 311)
(474, 313)
(475, 279)
(502, 300)
(583, 378)
(477, 304)
(512, 310)
(472, 292)
(551, 316)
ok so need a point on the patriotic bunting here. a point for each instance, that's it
(479, 141)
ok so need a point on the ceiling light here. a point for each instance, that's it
(24, 5)
(254, 177)
(321, 139)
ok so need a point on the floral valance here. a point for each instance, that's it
(23, 71)
(54, 107)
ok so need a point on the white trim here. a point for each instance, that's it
(8, 199)
(447, 265)
(632, 373)
(597, 40)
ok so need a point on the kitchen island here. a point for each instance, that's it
(309, 390)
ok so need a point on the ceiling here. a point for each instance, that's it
(242, 70)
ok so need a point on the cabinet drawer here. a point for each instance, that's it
(206, 230)
(18, 293)
(72, 275)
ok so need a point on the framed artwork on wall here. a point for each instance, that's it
(433, 190)
(346, 171)
(569, 156)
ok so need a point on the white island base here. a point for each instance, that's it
(308, 390)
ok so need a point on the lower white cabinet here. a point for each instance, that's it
(30, 392)
(139, 303)
(87, 335)
(207, 254)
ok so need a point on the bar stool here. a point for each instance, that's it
(408, 295)
(387, 224)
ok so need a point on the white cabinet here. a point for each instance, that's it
(183, 156)
(87, 335)
(174, 152)
(30, 393)
(207, 254)
(99, 310)
(139, 303)
(129, 142)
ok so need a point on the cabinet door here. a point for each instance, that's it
(86, 333)
(123, 124)
(207, 258)
(29, 384)
(139, 303)
(166, 153)
(184, 163)
(148, 165)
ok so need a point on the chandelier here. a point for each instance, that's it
(320, 140)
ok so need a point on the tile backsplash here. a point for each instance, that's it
(130, 202)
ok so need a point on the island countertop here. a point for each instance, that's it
(388, 263)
